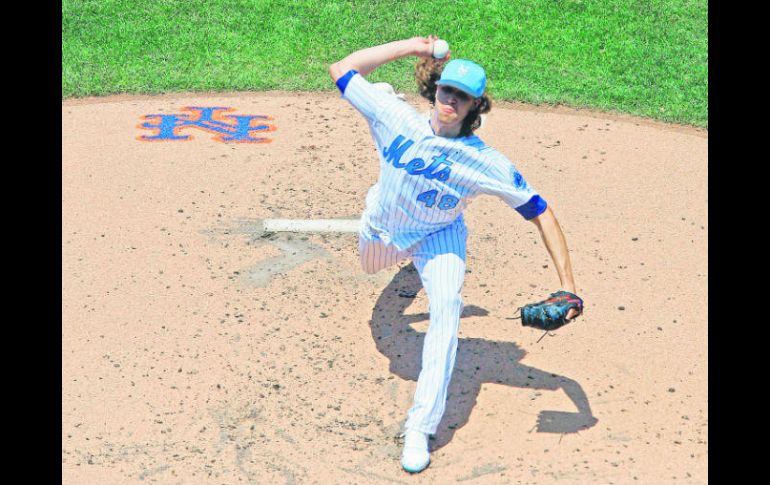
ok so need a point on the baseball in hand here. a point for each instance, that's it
(440, 49)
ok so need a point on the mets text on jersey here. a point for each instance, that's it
(439, 169)
(229, 128)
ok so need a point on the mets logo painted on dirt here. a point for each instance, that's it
(227, 128)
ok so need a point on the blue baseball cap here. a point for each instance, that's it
(464, 75)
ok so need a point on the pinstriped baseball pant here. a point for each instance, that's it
(440, 261)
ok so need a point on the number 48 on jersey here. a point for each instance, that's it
(429, 199)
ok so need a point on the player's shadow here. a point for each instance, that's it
(478, 361)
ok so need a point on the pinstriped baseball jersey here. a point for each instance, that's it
(426, 181)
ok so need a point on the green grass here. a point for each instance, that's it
(642, 57)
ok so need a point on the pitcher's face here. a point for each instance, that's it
(453, 105)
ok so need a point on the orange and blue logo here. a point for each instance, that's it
(227, 128)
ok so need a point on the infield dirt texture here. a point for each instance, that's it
(196, 350)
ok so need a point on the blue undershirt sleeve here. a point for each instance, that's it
(535, 206)
(342, 82)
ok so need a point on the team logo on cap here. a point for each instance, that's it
(462, 71)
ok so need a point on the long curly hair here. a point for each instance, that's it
(427, 71)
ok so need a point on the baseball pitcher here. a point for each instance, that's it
(429, 168)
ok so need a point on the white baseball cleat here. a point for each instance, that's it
(415, 457)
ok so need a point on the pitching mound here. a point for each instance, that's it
(199, 348)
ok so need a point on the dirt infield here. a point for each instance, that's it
(198, 350)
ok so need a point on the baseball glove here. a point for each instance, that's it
(552, 313)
